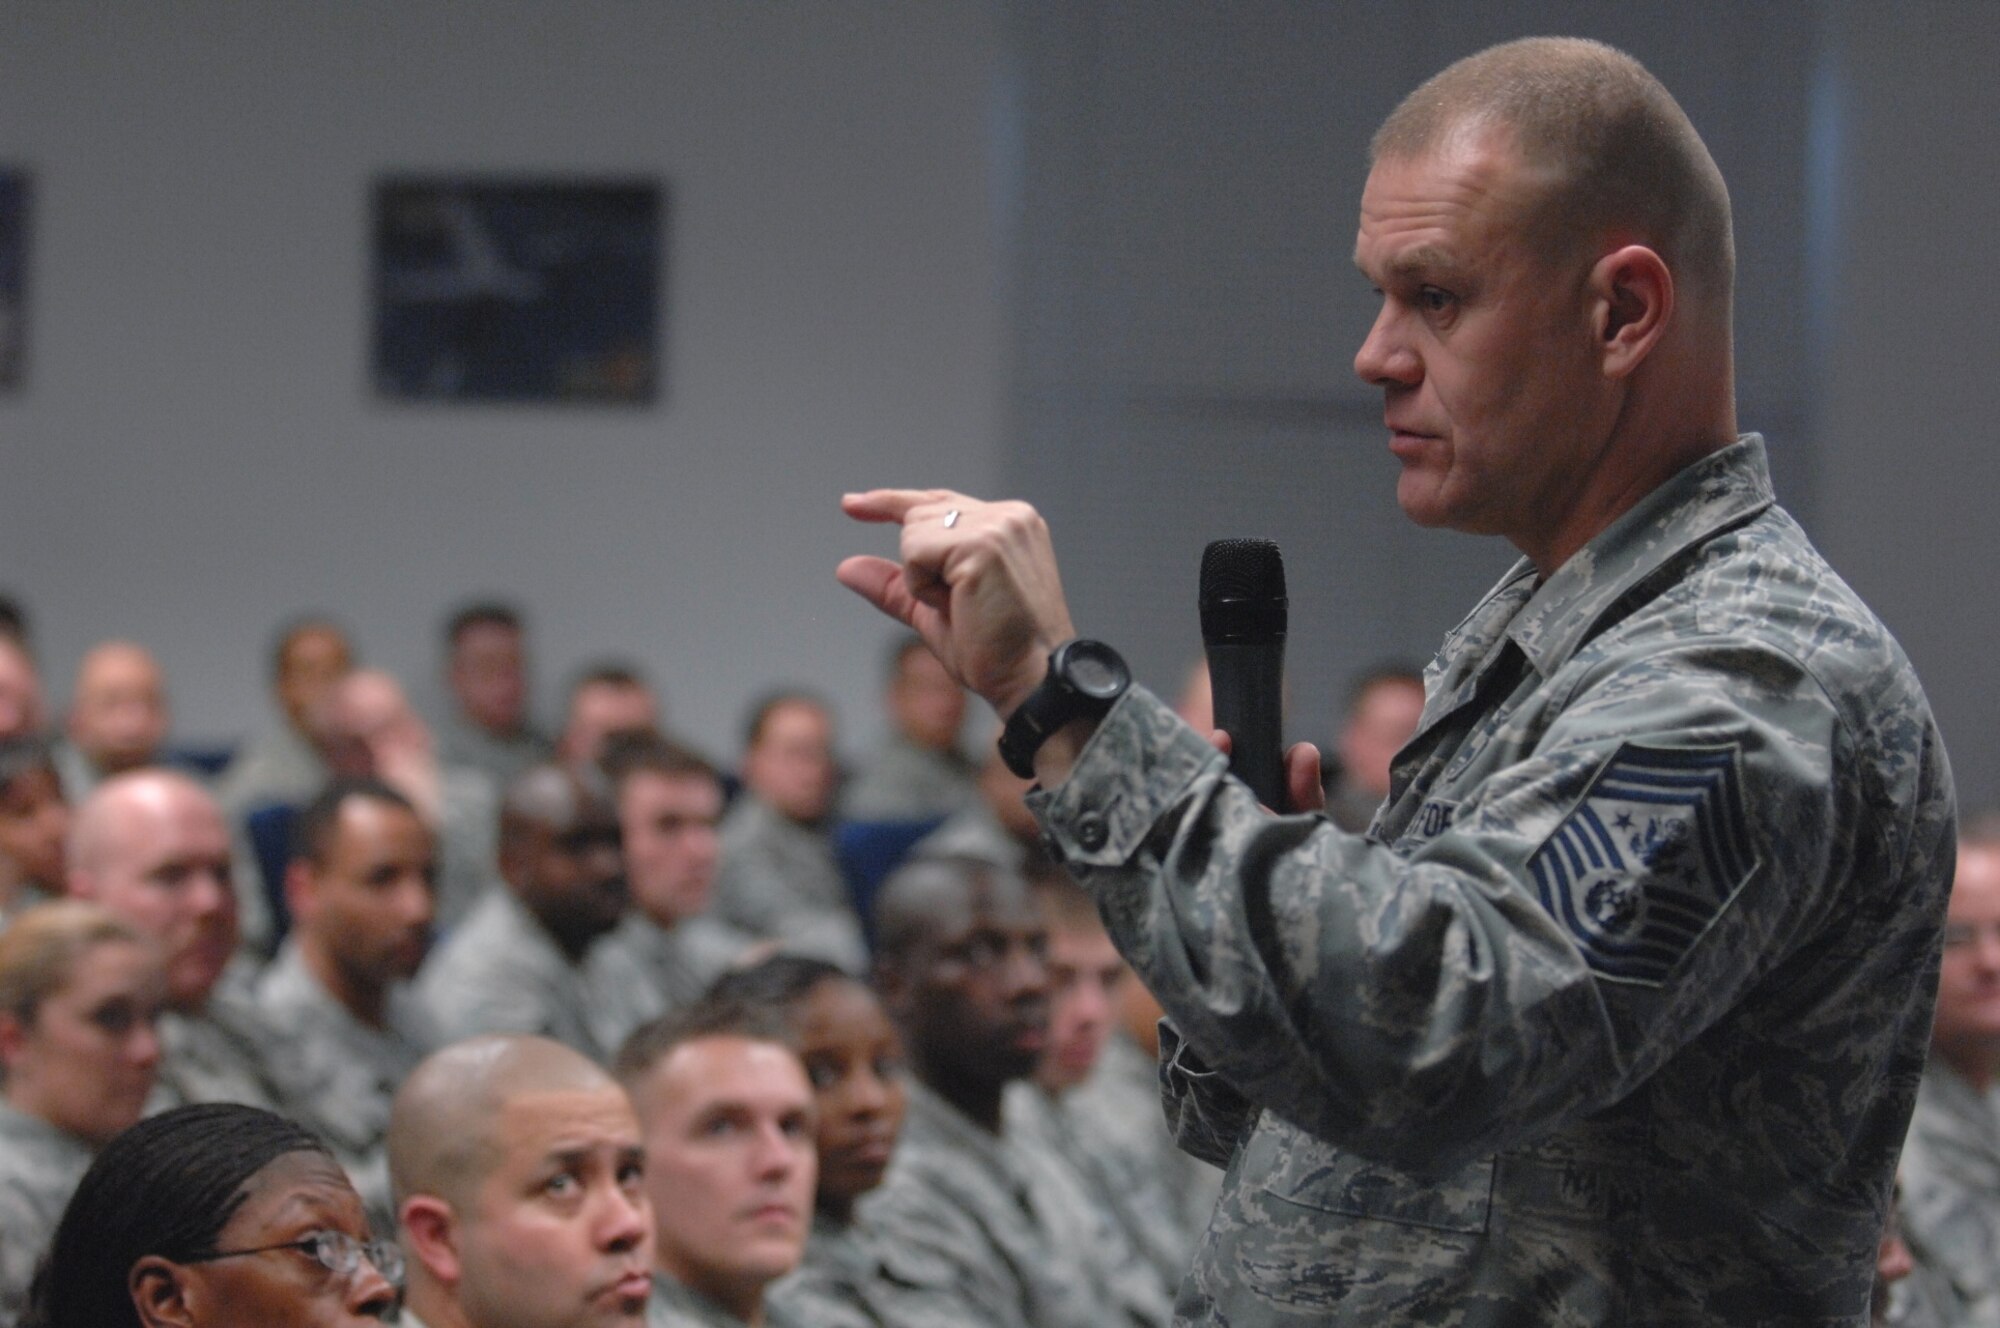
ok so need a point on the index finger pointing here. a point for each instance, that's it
(891, 504)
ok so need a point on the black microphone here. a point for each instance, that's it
(1243, 630)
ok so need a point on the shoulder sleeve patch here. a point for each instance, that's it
(1655, 849)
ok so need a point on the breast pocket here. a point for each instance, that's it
(1307, 1173)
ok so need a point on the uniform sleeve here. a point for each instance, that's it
(1437, 1002)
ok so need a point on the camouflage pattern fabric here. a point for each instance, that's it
(855, 1276)
(1121, 1102)
(641, 971)
(673, 1305)
(777, 880)
(499, 972)
(901, 781)
(1618, 1016)
(1951, 1196)
(221, 1054)
(39, 1168)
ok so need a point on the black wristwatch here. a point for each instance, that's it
(1084, 678)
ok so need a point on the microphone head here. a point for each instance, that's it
(1242, 592)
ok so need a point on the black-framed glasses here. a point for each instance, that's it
(335, 1251)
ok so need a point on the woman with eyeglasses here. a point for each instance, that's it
(79, 991)
(214, 1216)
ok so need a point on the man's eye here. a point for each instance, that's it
(1434, 300)
(562, 1185)
(631, 1175)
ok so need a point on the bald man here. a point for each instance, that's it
(519, 1179)
(150, 845)
(118, 717)
(517, 964)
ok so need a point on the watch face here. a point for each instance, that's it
(1095, 670)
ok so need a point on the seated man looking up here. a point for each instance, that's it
(728, 1121)
(519, 1180)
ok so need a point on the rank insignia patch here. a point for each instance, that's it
(1649, 857)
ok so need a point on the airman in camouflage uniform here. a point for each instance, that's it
(642, 970)
(221, 1052)
(1617, 1015)
(39, 1168)
(857, 1275)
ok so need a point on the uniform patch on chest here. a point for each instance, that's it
(1646, 860)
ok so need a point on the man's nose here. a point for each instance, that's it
(1385, 358)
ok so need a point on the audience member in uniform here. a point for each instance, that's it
(361, 894)
(1951, 1160)
(517, 962)
(960, 965)
(282, 762)
(1383, 707)
(1115, 1158)
(215, 1216)
(117, 717)
(150, 845)
(778, 878)
(21, 712)
(519, 1176)
(486, 673)
(918, 773)
(667, 950)
(606, 698)
(727, 1117)
(997, 827)
(368, 729)
(34, 825)
(79, 996)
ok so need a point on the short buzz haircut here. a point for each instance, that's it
(314, 831)
(480, 613)
(769, 703)
(292, 629)
(716, 1014)
(1398, 672)
(629, 752)
(1621, 151)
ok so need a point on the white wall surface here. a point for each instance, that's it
(198, 456)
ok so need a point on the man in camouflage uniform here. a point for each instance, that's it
(517, 963)
(1951, 1161)
(961, 973)
(1617, 1016)
(362, 893)
(150, 845)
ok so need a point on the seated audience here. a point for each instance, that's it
(727, 1117)
(367, 729)
(1951, 1160)
(778, 878)
(605, 698)
(361, 893)
(282, 763)
(519, 1176)
(486, 674)
(961, 970)
(151, 847)
(21, 712)
(34, 826)
(79, 995)
(117, 717)
(517, 962)
(1383, 708)
(997, 827)
(214, 1216)
(918, 773)
(667, 950)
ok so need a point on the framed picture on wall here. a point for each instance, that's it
(16, 193)
(517, 290)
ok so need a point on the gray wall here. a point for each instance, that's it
(1092, 253)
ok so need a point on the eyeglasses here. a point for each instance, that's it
(335, 1251)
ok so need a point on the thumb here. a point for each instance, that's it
(880, 582)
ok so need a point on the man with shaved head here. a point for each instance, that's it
(1617, 1013)
(117, 717)
(150, 846)
(519, 1177)
(517, 962)
(960, 963)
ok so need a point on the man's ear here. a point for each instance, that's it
(1633, 299)
(430, 1235)
(13, 1036)
(160, 1293)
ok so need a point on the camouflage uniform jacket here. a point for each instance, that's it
(222, 1054)
(642, 970)
(1618, 1014)
(1951, 1193)
(338, 1074)
(1122, 1100)
(39, 1168)
(500, 972)
(674, 1305)
(777, 880)
(901, 781)
(1021, 1241)
(854, 1276)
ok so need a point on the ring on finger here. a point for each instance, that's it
(951, 518)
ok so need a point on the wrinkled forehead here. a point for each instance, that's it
(1449, 202)
(532, 1130)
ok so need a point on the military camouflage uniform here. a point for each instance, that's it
(1121, 1100)
(643, 970)
(1951, 1193)
(1019, 1243)
(339, 1074)
(676, 1306)
(222, 1054)
(39, 1168)
(501, 973)
(777, 880)
(1621, 1021)
(854, 1277)
(901, 781)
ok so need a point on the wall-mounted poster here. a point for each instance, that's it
(14, 198)
(517, 290)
